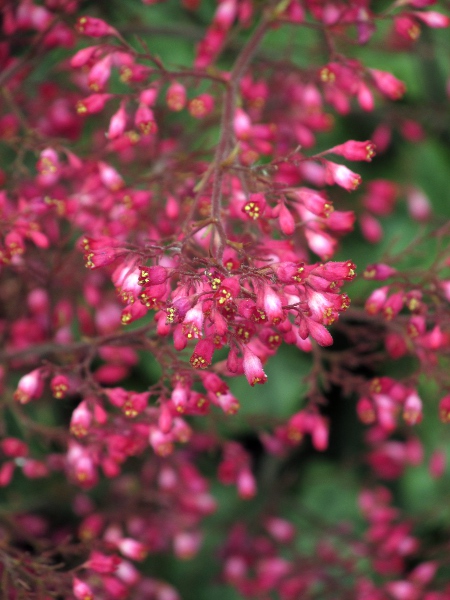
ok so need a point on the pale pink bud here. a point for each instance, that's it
(48, 166)
(100, 74)
(433, 19)
(30, 387)
(321, 243)
(319, 433)
(179, 397)
(118, 123)
(412, 409)
(235, 569)
(401, 590)
(38, 300)
(225, 13)
(242, 124)
(246, 484)
(82, 466)
(280, 529)
(110, 177)
(272, 305)
(81, 420)
(127, 573)
(228, 403)
(365, 97)
(181, 431)
(162, 443)
(352, 150)
(253, 368)
(418, 204)
(31, 16)
(132, 549)
(92, 104)
(376, 300)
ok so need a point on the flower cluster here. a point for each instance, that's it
(168, 230)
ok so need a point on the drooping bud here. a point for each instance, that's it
(176, 96)
(253, 369)
(30, 387)
(201, 106)
(340, 175)
(352, 150)
(379, 272)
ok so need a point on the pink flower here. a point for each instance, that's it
(30, 387)
(388, 85)
(202, 355)
(92, 104)
(94, 27)
(253, 368)
(176, 96)
(342, 176)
